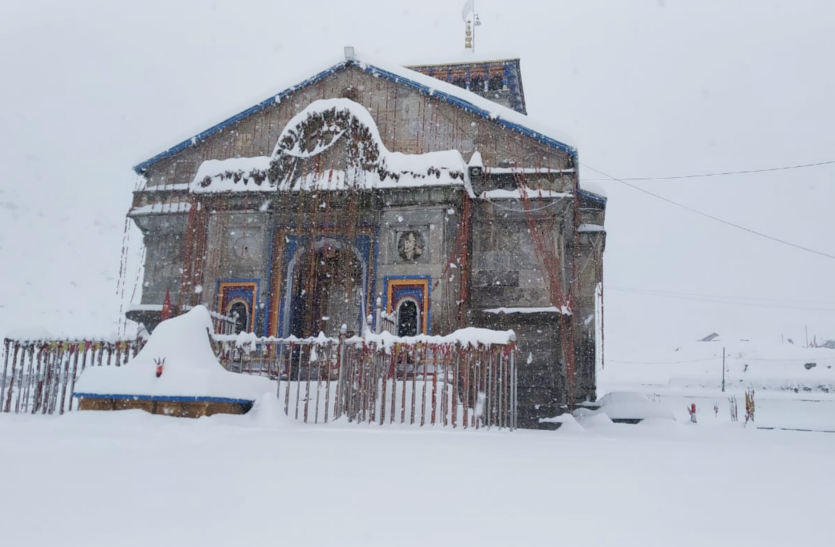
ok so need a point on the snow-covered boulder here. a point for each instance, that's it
(190, 370)
(567, 423)
(627, 407)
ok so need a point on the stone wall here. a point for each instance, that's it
(163, 239)
(541, 373)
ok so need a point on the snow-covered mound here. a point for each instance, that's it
(190, 367)
(617, 406)
(568, 423)
(620, 405)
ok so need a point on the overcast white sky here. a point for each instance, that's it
(646, 87)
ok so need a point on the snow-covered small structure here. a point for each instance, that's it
(625, 407)
(175, 373)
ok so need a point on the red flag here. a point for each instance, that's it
(167, 311)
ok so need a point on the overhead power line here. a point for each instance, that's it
(726, 173)
(707, 215)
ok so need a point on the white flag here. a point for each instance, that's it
(469, 6)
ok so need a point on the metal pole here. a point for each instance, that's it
(723, 370)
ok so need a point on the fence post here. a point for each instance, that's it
(6, 344)
(340, 384)
(513, 389)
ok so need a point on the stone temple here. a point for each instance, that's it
(426, 191)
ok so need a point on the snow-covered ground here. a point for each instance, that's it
(130, 478)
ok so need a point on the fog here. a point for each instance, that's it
(646, 88)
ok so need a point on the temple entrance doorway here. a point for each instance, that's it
(327, 291)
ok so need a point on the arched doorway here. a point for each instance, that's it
(240, 314)
(408, 318)
(327, 291)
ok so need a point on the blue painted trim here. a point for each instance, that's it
(428, 310)
(515, 85)
(166, 398)
(254, 306)
(461, 103)
(585, 194)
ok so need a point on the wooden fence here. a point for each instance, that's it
(378, 378)
(383, 379)
(39, 375)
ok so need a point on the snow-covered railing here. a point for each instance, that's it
(466, 379)
(39, 376)
(387, 323)
(221, 324)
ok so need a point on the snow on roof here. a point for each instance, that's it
(473, 67)
(444, 91)
(233, 174)
(526, 171)
(546, 309)
(531, 193)
(466, 337)
(474, 103)
(165, 207)
(390, 169)
(475, 160)
(190, 370)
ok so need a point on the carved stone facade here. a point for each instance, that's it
(365, 183)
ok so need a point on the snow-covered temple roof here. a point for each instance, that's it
(428, 85)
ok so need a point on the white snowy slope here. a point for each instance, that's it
(748, 364)
(59, 261)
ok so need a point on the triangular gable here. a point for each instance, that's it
(427, 85)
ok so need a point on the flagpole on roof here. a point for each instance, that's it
(469, 37)
(474, 26)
